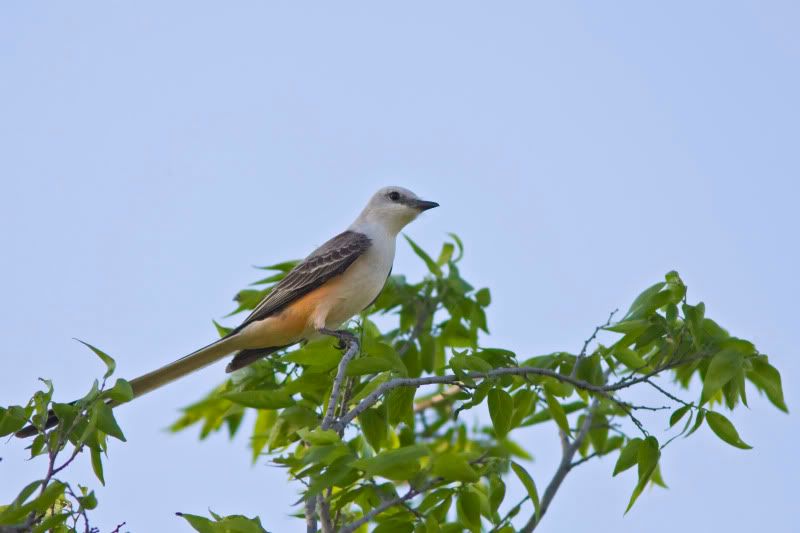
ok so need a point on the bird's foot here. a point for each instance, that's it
(345, 337)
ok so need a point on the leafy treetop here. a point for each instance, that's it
(370, 422)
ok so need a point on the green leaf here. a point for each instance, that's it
(368, 365)
(557, 412)
(725, 430)
(446, 254)
(530, 486)
(318, 355)
(630, 358)
(400, 406)
(223, 524)
(261, 399)
(459, 245)
(97, 464)
(104, 420)
(657, 479)
(469, 363)
(767, 378)
(121, 392)
(483, 297)
(598, 434)
(433, 498)
(430, 263)
(12, 420)
(694, 321)
(17, 510)
(89, 501)
(319, 436)
(222, 331)
(469, 506)
(524, 405)
(698, 421)
(678, 414)
(66, 413)
(51, 524)
(286, 266)
(497, 492)
(48, 497)
(724, 366)
(374, 427)
(199, 523)
(501, 407)
(628, 457)
(634, 327)
(111, 365)
(398, 464)
(454, 467)
(644, 301)
(648, 456)
(264, 421)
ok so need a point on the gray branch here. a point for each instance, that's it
(601, 390)
(561, 472)
(311, 515)
(351, 347)
(318, 505)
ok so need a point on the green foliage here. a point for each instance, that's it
(404, 450)
(51, 503)
(223, 524)
(417, 435)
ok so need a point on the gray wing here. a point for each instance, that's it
(326, 262)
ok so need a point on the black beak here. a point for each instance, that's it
(424, 205)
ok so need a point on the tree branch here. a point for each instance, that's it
(351, 346)
(311, 514)
(589, 340)
(602, 390)
(563, 469)
(318, 505)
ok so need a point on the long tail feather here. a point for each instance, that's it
(183, 366)
(160, 377)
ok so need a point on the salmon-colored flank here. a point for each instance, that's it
(296, 321)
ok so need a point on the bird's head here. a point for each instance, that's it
(393, 208)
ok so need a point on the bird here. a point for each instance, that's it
(335, 282)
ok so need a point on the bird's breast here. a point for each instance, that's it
(359, 285)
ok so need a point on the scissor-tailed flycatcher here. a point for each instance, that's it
(337, 281)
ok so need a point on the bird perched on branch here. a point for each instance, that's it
(337, 281)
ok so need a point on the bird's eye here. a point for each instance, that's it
(394, 196)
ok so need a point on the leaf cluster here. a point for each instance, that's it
(402, 456)
(50, 503)
(385, 441)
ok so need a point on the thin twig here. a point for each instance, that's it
(584, 459)
(589, 340)
(507, 516)
(667, 394)
(386, 504)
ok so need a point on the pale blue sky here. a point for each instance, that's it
(150, 152)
